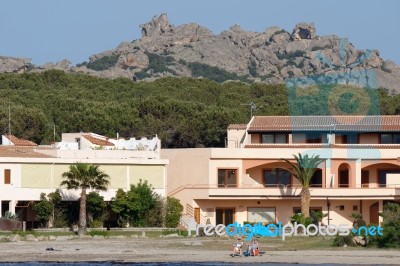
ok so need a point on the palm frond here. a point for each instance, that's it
(304, 168)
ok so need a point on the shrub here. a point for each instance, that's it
(358, 220)
(96, 223)
(103, 63)
(391, 226)
(279, 32)
(173, 212)
(214, 73)
(318, 48)
(96, 208)
(135, 205)
(253, 68)
(291, 55)
(340, 241)
(155, 217)
(160, 63)
(43, 210)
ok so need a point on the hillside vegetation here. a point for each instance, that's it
(183, 112)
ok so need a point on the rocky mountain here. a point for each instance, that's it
(271, 56)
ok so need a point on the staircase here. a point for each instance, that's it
(191, 215)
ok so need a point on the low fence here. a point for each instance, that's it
(10, 225)
(127, 229)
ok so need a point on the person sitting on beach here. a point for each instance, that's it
(253, 248)
(237, 247)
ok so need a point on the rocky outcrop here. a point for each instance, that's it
(14, 65)
(62, 65)
(304, 31)
(157, 26)
(271, 56)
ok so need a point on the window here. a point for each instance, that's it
(297, 210)
(313, 137)
(347, 138)
(263, 215)
(274, 138)
(225, 216)
(382, 176)
(364, 178)
(316, 180)
(227, 178)
(276, 177)
(7, 176)
(390, 138)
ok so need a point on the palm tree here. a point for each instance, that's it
(84, 176)
(303, 170)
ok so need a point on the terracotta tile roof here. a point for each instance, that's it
(20, 142)
(24, 152)
(326, 123)
(324, 145)
(97, 141)
(237, 126)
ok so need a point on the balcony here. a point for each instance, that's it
(277, 151)
(258, 191)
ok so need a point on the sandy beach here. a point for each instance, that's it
(181, 249)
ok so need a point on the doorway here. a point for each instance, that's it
(374, 213)
(5, 207)
(197, 215)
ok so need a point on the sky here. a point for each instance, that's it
(49, 31)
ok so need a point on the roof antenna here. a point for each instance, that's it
(253, 108)
(9, 121)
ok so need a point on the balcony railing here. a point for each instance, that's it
(293, 190)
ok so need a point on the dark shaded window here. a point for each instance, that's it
(390, 138)
(382, 176)
(273, 178)
(274, 138)
(316, 180)
(313, 137)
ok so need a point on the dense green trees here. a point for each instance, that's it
(183, 112)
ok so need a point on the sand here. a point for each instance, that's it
(180, 249)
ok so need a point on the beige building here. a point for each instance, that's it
(28, 171)
(246, 181)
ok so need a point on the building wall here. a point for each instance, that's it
(200, 188)
(235, 137)
(32, 176)
(339, 210)
(190, 167)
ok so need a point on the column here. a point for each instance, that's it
(358, 173)
(380, 211)
(328, 174)
(12, 205)
(332, 138)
